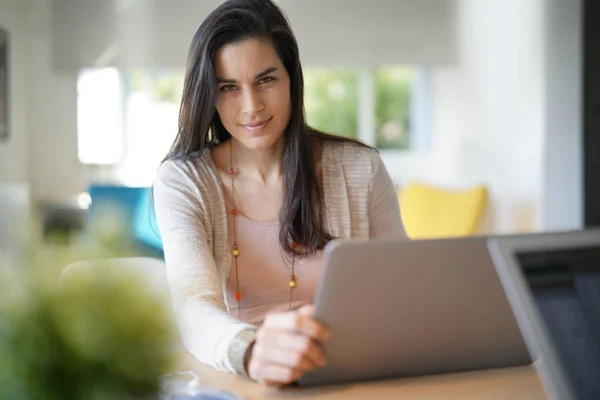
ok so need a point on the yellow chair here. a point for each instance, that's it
(430, 212)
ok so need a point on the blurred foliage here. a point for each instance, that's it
(168, 87)
(138, 79)
(165, 85)
(94, 336)
(331, 99)
(392, 107)
(331, 103)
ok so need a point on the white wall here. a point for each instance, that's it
(563, 187)
(55, 171)
(41, 149)
(339, 32)
(13, 152)
(488, 113)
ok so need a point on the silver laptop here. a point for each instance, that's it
(553, 284)
(405, 308)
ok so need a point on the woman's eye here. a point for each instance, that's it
(227, 88)
(266, 79)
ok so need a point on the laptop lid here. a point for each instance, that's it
(406, 308)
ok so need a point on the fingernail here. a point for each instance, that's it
(305, 310)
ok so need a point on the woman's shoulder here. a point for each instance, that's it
(195, 173)
(178, 167)
(355, 157)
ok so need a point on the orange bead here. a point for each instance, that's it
(295, 245)
(238, 296)
(233, 212)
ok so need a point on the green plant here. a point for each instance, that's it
(95, 336)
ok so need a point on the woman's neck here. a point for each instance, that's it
(260, 165)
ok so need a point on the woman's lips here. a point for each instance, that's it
(256, 126)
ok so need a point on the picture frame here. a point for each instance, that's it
(4, 83)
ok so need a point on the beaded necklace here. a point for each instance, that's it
(235, 251)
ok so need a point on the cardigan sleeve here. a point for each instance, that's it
(207, 330)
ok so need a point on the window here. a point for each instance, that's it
(383, 107)
(331, 100)
(152, 101)
(100, 125)
(127, 119)
(130, 117)
(392, 107)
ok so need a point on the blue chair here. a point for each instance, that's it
(145, 228)
(133, 208)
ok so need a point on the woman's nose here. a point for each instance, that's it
(252, 103)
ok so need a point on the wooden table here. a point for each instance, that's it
(508, 383)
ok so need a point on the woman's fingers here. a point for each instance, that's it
(296, 321)
(306, 310)
(272, 374)
(287, 346)
(286, 358)
(303, 345)
(289, 349)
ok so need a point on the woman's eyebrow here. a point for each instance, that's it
(257, 76)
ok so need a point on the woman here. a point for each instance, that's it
(249, 195)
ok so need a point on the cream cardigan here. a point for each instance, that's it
(360, 201)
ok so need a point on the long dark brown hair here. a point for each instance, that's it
(302, 213)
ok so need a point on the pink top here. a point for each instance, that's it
(264, 272)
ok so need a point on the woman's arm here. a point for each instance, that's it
(384, 209)
(207, 330)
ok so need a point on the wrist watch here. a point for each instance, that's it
(239, 349)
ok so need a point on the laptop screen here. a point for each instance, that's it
(566, 287)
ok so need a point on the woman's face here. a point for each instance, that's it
(253, 99)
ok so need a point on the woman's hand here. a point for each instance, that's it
(287, 346)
